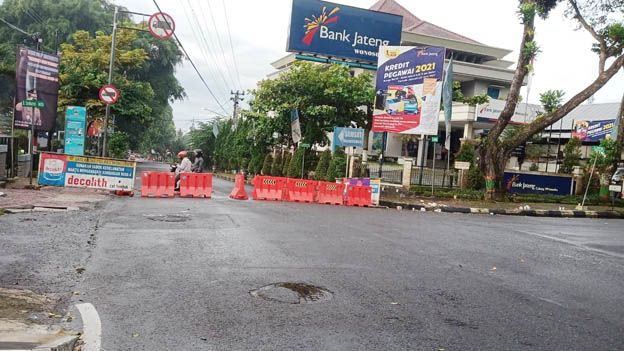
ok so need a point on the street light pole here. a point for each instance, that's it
(110, 80)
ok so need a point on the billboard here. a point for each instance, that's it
(336, 30)
(75, 125)
(490, 111)
(593, 131)
(524, 183)
(36, 76)
(86, 172)
(409, 89)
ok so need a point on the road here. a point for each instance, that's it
(182, 274)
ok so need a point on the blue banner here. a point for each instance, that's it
(593, 131)
(75, 129)
(353, 137)
(337, 30)
(524, 183)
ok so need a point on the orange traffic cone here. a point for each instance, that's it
(239, 188)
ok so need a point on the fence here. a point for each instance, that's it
(442, 178)
(388, 174)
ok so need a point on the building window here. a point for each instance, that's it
(493, 92)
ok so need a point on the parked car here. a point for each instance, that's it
(618, 176)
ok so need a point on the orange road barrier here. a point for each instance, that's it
(239, 188)
(157, 184)
(268, 188)
(358, 195)
(300, 190)
(124, 193)
(330, 193)
(196, 185)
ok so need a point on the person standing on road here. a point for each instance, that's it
(185, 166)
(198, 166)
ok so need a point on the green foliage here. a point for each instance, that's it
(571, 156)
(526, 12)
(530, 50)
(533, 153)
(533, 167)
(286, 164)
(604, 162)
(337, 166)
(476, 179)
(320, 173)
(276, 167)
(551, 100)
(472, 101)
(266, 167)
(466, 153)
(294, 168)
(118, 145)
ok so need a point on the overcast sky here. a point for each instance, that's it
(259, 28)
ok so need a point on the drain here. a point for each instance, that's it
(292, 293)
(169, 218)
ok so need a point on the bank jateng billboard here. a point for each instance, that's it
(336, 30)
(524, 183)
(490, 111)
(593, 130)
(409, 89)
(36, 79)
(86, 172)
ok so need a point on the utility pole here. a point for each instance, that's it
(110, 80)
(236, 98)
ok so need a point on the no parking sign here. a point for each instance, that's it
(161, 25)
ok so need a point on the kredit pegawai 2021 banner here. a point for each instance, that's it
(409, 89)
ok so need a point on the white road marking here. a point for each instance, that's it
(92, 327)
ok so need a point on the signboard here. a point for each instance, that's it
(75, 123)
(524, 183)
(161, 25)
(599, 149)
(592, 131)
(304, 145)
(36, 79)
(351, 137)
(86, 172)
(434, 139)
(409, 89)
(490, 111)
(336, 30)
(615, 188)
(295, 126)
(375, 185)
(109, 94)
(462, 165)
(33, 103)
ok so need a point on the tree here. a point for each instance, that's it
(593, 16)
(320, 173)
(338, 165)
(266, 167)
(571, 156)
(276, 167)
(119, 145)
(286, 165)
(294, 168)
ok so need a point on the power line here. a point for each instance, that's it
(227, 23)
(193, 64)
(214, 23)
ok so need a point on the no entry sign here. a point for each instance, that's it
(109, 94)
(161, 25)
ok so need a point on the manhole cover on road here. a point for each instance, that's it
(169, 218)
(293, 293)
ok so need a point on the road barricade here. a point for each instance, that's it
(196, 185)
(239, 188)
(268, 188)
(330, 193)
(300, 190)
(157, 184)
(358, 195)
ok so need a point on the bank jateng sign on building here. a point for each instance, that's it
(336, 30)
(86, 172)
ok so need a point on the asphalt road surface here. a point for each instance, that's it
(178, 274)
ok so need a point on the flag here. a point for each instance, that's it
(447, 99)
(215, 129)
(295, 126)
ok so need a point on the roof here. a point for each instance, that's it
(413, 24)
(588, 112)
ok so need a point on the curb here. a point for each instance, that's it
(230, 178)
(508, 212)
(66, 343)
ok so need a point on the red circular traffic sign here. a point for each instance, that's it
(109, 94)
(161, 25)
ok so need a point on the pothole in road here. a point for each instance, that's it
(293, 293)
(168, 218)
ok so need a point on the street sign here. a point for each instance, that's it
(33, 103)
(161, 25)
(350, 137)
(600, 149)
(109, 94)
(434, 139)
(615, 188)
(462, 165)
(304, 145)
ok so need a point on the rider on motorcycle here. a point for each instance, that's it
(185, 166)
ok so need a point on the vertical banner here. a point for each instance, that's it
(36, 77)
(295, 126)
(447, 100)
(75, 123)
(409, 89)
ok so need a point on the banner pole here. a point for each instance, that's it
(433, 174)
(110, 80)
(13, 153)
